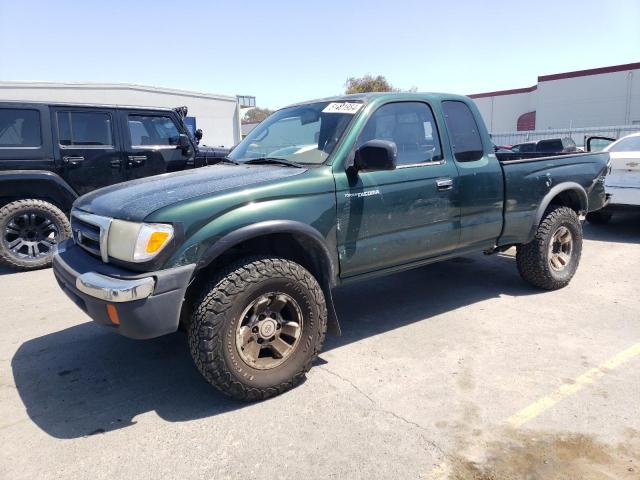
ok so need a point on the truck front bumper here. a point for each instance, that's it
(136, 305)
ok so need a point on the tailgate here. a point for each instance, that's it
(625, 170)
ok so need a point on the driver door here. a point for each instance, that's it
(152, 143)
(395, 217)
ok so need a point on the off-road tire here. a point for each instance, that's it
(42, 209)
(212, 330)
(599, 218)
(533, 258)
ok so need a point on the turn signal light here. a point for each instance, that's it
(113, 314)
(157, 241)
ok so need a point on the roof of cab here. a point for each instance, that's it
(370, 96)
(77, 104)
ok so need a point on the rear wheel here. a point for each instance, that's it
(551, 259)
(599, 218)
(30, 229)
(257, 327)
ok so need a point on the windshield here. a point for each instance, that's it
(305, 134)
(627, 144)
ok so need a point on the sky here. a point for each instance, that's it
(284, 52)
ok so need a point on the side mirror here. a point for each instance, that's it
(376, 155)
(198, 134)
(184, 144)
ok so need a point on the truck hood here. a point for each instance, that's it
(136, 199)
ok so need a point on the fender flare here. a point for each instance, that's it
(328, 262)
(43, 184)
(554, 192)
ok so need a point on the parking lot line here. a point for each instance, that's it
(545, 403)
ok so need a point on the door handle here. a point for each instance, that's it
(136, 160)
(444, 184)
(72, 160)
(115, 163)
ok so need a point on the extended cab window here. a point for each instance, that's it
(81, 129)
(19, 128)
(411, 126)
(152, 130)
(463, 131)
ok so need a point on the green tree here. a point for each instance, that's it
(368, 83)
(256, 114)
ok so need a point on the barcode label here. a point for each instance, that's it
(342, 107)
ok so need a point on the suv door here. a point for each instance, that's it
(395, 217)
(87, 147)
(25, 137)
(152, 143)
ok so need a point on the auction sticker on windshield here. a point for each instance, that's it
(342, 107)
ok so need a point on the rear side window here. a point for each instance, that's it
(19, 128)
(80, 129)
(463, 131)
(153, 130)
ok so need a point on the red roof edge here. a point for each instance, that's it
(504, 92)
(591, 71)
(559, 76)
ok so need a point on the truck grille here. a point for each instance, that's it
(90, 232)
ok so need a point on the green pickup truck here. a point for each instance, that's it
(244, 254)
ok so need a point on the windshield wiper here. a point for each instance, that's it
(273, 161)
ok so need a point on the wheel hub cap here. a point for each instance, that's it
(560, 249)
(30, 235)
(269, 330)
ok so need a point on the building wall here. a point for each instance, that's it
(501, 112)
(588, 98)
(217, 115)
(589, 101)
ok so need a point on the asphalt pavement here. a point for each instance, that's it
(455, 370)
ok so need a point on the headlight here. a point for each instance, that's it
(137, 242)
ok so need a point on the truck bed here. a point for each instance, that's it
(527, 180)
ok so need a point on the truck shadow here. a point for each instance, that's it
(6, 270)
(623, 228)
(86, 380)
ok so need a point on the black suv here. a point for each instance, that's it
(52, 153)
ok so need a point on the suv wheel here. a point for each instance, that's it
(551, 259)
(30, 229)
(257, 327)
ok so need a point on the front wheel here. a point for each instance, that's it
(257, 327)
(551, 259)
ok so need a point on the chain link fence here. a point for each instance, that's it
(577, 134)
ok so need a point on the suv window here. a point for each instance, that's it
(152, 130)
(85, 129)
(463, 131)
(411, 126)
(20, 128)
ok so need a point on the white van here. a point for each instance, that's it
(623, 182)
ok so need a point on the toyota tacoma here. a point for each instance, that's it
(243, 255)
